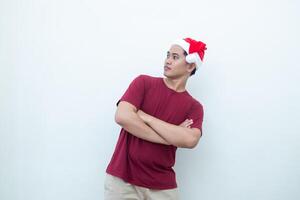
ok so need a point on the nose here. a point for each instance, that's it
(168, 61)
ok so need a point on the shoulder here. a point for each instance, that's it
(144, 82)
(146, 79)
(196, 104)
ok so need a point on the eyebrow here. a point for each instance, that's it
(173, 53)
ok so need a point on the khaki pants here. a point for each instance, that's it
(117, 189)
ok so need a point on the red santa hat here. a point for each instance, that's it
(194, 49)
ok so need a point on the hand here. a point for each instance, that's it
(187, 123)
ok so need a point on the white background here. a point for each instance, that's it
(64, 64)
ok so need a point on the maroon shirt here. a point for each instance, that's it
(144, 163)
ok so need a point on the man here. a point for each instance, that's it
(157, 115)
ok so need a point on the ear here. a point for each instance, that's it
(191, 67)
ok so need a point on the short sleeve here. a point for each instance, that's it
(196, 113)
(135, 92)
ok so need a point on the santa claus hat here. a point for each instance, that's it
(194, 49)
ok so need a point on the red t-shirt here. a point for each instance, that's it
(144, 163)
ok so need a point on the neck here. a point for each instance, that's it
(177, 84)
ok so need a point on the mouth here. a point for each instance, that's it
(167, 68)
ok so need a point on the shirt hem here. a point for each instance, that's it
(138, 184)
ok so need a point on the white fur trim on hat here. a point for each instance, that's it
(194, 58)
(183, 44)
(190, 58)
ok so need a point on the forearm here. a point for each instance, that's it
(175, 135)
(133, 124)
(179, 136)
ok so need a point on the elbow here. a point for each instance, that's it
(120, 119)
(188, 143)
(123, 113)
(192, 144)
(192, 141)
(123, 118)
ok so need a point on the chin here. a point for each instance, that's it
(166, 74)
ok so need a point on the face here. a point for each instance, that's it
(175, 63)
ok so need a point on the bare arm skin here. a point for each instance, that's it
(179, 136)
(126, 116)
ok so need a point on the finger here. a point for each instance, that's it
(185, 122)
(186, 125)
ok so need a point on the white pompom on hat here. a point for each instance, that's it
(194, 49)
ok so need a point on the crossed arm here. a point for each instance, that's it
(147, 127)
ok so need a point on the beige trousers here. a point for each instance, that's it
(117, 189)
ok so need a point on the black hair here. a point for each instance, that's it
(194, 71)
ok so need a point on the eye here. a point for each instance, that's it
(175, 57)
